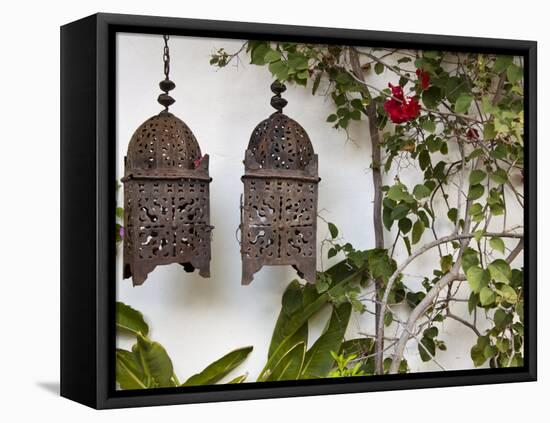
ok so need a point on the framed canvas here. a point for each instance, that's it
(258, 211)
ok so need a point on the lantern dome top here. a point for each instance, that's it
(279, 142)
(163, 145)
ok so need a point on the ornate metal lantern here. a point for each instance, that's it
(279, 206)
(166, 194)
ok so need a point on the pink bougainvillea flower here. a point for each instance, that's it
(197, 162)
(121, 232)
(399, 108)
(423, 78)
(472, 134)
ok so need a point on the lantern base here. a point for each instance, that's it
(305, 267)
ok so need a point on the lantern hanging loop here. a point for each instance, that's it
(166, 84)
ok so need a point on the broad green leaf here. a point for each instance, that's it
(130, 320)
(279, 69)
(478, 357)
(477, 176)
(486, 296)
(463, 102)
(154, 360)
(489, 132)
(421, 191)
(499, 176)
(426, 348)
(378, 68)
(219, 368)
(400, 212)
(292, 303)
(514, 73)
(475, 192)
(428, 125)
(500, 271)
(478, 278)
(405, 225)
(397, 192)
(318, 360)
(129, 373)
(417, 231)
(333, 230)
(497, 244)
(469, 258)
(290, 365)
(258, 53)
(272, 56)
(340, 274)
(508, 294)
(431, 97)
(502, 63)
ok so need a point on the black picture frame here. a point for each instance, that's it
(88, 207)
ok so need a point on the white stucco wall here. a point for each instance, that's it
(198, 320)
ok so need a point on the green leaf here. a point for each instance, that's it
(431, 332)
(475, 192)
(463, 102)
(508, 294)
(129, 373)
(426, 348)
(333, 230)
(272, 56)
(154, 360)
(238, 379)
(478, 278)
(421, 191)
(502, 63)
(405, 225)
(431, 97)
(500, 271)
(378, 68)
(489, 132)
(486, 296)
(130, 320)
(499, 176)
(297, 61)
(332, 118)
(120, 212)
(318, 361)
(290, 365)
(497, 244)
(294, 327)
(279, 69)
(514, 73)
(219, 369)
(357, 346)
(428, 125)
(477, 176)
(469, 258)
(417, 231)
(446, 263)
(424, 159)
(397, 192)
(399, 212)
(258, 53)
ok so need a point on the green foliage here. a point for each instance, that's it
(148, 364)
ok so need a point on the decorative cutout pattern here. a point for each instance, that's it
(279, 210)
(167, 206)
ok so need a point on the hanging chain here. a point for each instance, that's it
(166, 56)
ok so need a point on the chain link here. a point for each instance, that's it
(166, 56)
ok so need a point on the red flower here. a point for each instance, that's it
(197, 162)
(423, 78)
(400, 108)
(472, 134)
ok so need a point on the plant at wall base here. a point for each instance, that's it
(458, 119)
(119, 223)
(148, 365)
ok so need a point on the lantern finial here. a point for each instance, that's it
(277, 102)
(166, 84)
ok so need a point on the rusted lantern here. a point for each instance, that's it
(166, 194)
(279, 205)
